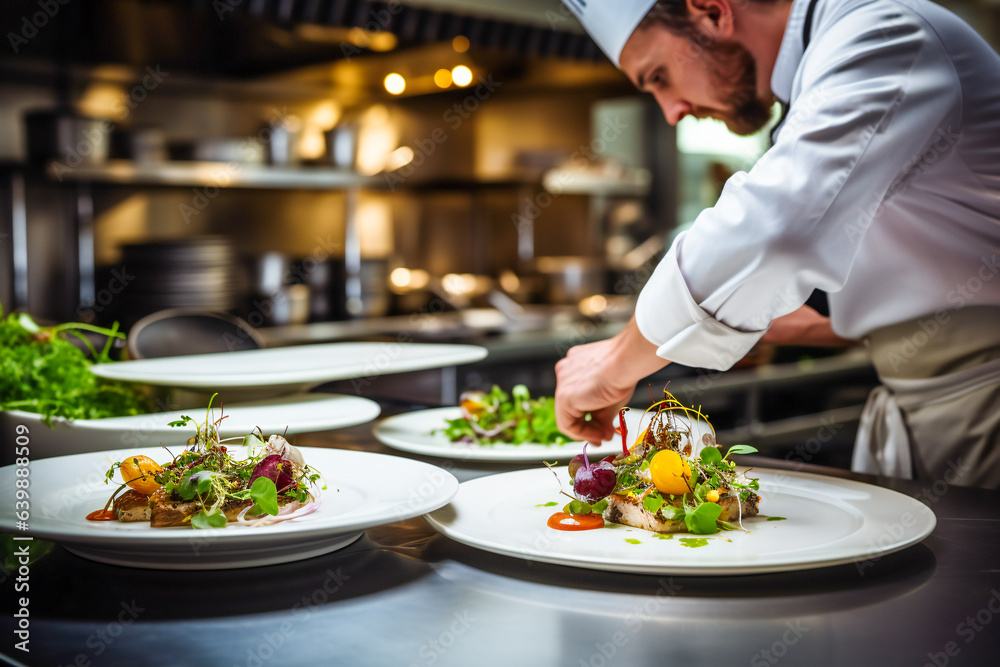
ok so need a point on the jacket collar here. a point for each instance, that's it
(790, 52)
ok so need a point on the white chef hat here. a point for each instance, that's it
(610, 22)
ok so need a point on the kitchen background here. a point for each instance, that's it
(460, 170)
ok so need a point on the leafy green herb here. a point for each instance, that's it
(501, 418)
(652, 502)
(265, 497)
(580, 507)
(43, 372)
(710, 455)
(776, 518)
(740, 449)
(701, 519)
(204, 519)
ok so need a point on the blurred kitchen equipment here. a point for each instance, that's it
(198, 273)
(269, 272)
(238, 149)
(375, 299)
(325, 280)
(176, 332)
(140, 144)
(277, 297)
(283, 141)
(62, 134)
(608, 307)
(342, 145)
(570, 279)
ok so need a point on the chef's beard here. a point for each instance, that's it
(734, 76)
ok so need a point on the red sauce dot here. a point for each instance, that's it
(564, 521)
(102, 515)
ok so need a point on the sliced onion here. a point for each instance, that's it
(292, 510)
(496, 430)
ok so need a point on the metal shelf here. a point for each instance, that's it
(210, 174)
(630, 183)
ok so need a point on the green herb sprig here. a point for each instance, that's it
(523, 418)
(41, 371)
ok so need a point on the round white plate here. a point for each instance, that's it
(828, 521)
(414, 432)
(299, 366)
(364, 490)
(299, 413)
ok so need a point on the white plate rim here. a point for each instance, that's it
(923, 512)
(367, 410)
(384, 359)
(233, 537)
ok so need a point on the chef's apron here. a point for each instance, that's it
(937, 414)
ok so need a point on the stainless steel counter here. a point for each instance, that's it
(402, 595)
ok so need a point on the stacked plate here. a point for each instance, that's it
(200, 273)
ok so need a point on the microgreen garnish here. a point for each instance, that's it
(713, 476)
(495, 417)
(219, 485)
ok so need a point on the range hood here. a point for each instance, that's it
(237, 38)
(550, 13)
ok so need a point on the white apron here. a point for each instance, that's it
(927, 424)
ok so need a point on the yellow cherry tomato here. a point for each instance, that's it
(139, 473)
(712, 496)
(671, 473)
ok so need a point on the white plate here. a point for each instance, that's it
(300, 413)
(828, 521)
(414, 432)
(364, 490)
(299, 366)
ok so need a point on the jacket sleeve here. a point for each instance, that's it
(876, 90)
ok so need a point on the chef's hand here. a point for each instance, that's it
(599, 378)
(804, 326)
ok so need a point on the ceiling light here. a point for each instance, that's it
(442, 78)
(461, 75)
(395, 83)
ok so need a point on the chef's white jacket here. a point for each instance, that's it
(882, 188)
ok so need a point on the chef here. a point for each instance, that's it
(882, 188)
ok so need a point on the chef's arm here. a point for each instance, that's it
(874, 100)
(804, 326)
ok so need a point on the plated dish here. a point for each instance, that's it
(297, 413)
(288, 368)
(210, 481)
(825, 521)
(420, 432)
(364, 490)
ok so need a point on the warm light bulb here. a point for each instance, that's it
(395, 83)
(399, 158)
(460, 44)
(382, 41)
(400, 277)
(461, 75)
(442, 78)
